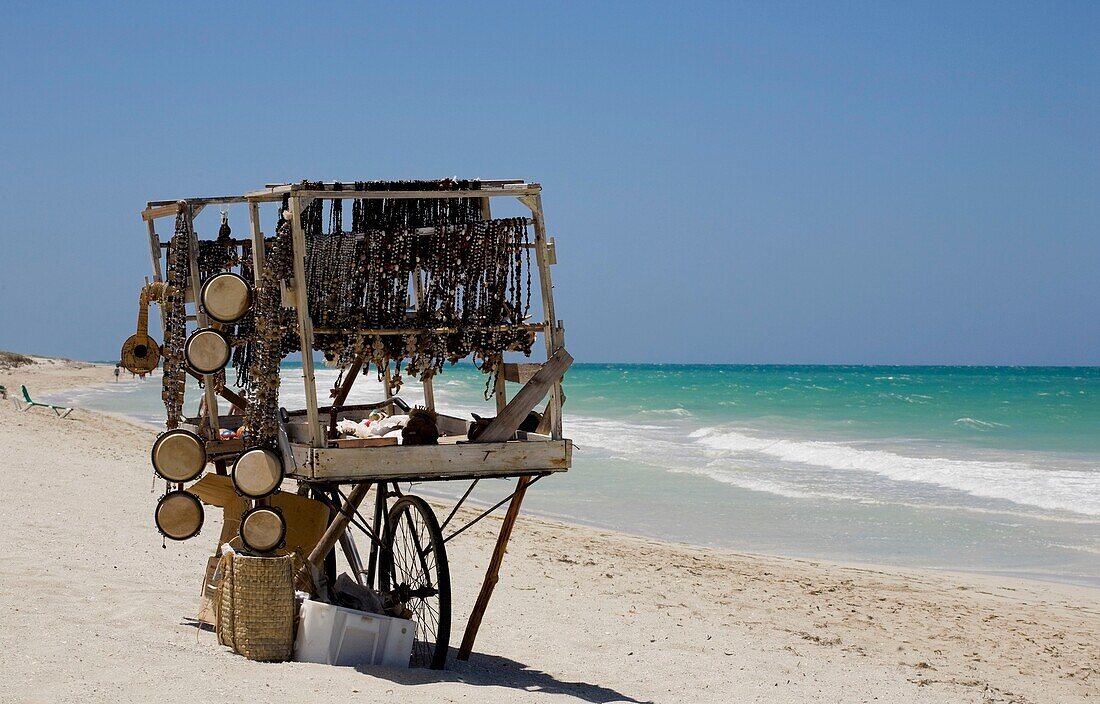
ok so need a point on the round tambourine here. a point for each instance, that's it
(258, 473)
(179, 455)
(263, 529)
(179, 515)
(226, 297)
(207, 350)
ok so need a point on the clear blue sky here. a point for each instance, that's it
(732, 182)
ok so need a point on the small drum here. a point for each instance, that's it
(258, 473)
(207, 350)
(179, 456)
(179, 515)
(263, 529)
(226, 297)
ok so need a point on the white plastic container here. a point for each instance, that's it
(334, 635)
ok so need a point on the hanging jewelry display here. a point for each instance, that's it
(175, 322)
(218, 255)
(474, 284)
(410, 213)
(272, 327)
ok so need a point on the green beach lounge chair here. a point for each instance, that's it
(31, 403)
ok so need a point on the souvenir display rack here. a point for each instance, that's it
(407, 555)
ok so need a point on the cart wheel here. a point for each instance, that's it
(414, 567)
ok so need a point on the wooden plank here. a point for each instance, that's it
(509, 419)
(305, 323)
(492, 573)
(154, 251)
(500, 391)
(546, 284)
(468, 460)
(514, 191)
(336, 529)
(520, 373)
(229, 395)
(161, 211)
(257, 242)
(341, 394)
(203, 201)
(200, 318)
(429, 394)
(364, 442)
(272, 193)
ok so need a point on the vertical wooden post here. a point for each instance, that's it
(429, 394)
(154, 251)
(257, 241)
(305, 322)
(342, 393)
(379, 525)
(492, 574)
(200, 320)
(500, 390)
(550, 332)
(338, 525)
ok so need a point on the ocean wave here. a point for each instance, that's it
(979, 424)
(678, 412)
(1019, 482)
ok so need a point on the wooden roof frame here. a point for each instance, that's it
(299, 195)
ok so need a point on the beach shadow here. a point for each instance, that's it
(193, 623)
(484, 670)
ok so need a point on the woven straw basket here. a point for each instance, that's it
(255, 606)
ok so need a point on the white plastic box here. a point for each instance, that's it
(334, 635)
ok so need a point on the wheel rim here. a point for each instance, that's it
(417, 574)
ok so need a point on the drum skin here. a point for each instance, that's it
(263, 529)
(207, 350)
(258, 473)
(226, 297)
(179, 515)
(179, 455)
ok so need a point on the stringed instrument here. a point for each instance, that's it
(141, 353)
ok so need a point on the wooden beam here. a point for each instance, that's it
(484, 192)
(429, 393)
(435, 462)
(200, 318)
(154, 251)
(552, 421)
(335, 530)
(492, 574)
(305, 322)
(342, 394)
(257, 242)
(520, 373)
(508, 420)
(231, 396)
(546, 283)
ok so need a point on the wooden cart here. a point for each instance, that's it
(407, 541)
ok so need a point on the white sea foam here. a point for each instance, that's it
(979, 424)
(1020, 482)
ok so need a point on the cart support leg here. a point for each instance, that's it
(379, 529)
(335, 530)
(492, 574)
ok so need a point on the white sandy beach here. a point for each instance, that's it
(94, 610)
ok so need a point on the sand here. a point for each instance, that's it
(94, 610)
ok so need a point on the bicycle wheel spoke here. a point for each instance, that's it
(416, 567)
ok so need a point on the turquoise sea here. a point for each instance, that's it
(988, 469)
